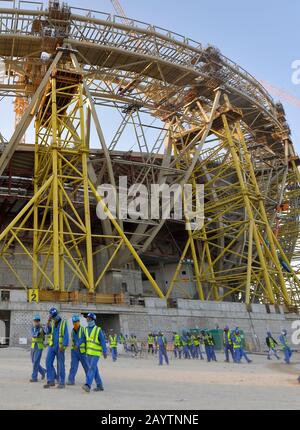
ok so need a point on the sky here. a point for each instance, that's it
(260, 35)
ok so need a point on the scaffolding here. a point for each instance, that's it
(194, 117)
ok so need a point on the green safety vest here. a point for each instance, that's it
(93, 346)
(39, 341)
(150, 340)
(113, 341)
(82, 347)
(237, 343)
(177, 340)
(285, 343)
(228, 335)
(271, 342)
(62, 328)
(210, 340)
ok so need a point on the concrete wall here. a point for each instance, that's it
(156, 316)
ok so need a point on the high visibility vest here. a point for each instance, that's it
(184, 341)
(39, 341)
(210, 340)
(189, 341)
(150, 340)
(82, 347)
(271, 343)
(113, 341)
(196, 341)
(177, 341)
(93, 346)
(62, 328)
(237, 343)
(227, 337)
(285, 343)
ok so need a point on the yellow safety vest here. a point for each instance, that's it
(93, 346)
(150, 340)
(177, 340)
(113, 341)
(82, 347)
(237, 342)
(62, 328)
(196, 341)
(39, 341)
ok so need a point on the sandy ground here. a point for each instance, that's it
(139, 383)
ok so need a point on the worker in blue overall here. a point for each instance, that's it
(37, 347)
(228, 344)
(185, 346)
(113, 345)
(271, 344)
(78, 349)
(58, 340)
(95, 347)
(285, 346)
(177, 346)
(162, 345)
(239, 351)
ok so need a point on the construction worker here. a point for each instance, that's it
(177, 345)
(285, 346)
(78, 350)
(228, 344)
(113, 345)
(126, 343)
(271, 344)
(185, 347)
(58, 340)
(239, 352)
(162, 345)
(150, 343)
(197, 347)
(190, 344)
(133, 345)
(209, 345)
(37, 346)
(95, 346)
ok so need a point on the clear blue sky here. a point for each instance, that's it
(260, 35)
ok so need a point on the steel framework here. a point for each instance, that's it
(194, 117)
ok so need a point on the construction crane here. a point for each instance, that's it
(120, 11)
(283, 95)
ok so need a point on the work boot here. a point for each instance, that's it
(70, 383)
(61, 386)
(49, 385)
(99, 388)
(32, 380)
(86, 388)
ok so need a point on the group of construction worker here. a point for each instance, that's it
(88, 344)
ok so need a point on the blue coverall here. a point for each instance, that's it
(92, 362)
(161, 341)
(239, 352)
(77, 356)
(185, 347)
(286, 349)
(36, 355)
(228, 346)
(53, 351)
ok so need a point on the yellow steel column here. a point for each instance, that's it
(35, 210)
(270, 234)
(87, 216)
(246, 198)
(55, 197)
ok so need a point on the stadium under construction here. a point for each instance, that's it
(109, 97)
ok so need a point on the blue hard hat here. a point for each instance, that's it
(92, 316)
(268, 333)
(75, 318)
(36, 318)
(53, 312)
(226, 327)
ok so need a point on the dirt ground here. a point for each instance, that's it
(139, 383)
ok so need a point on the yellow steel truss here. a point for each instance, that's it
(58, 218)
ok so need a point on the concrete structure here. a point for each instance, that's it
(151, 315)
